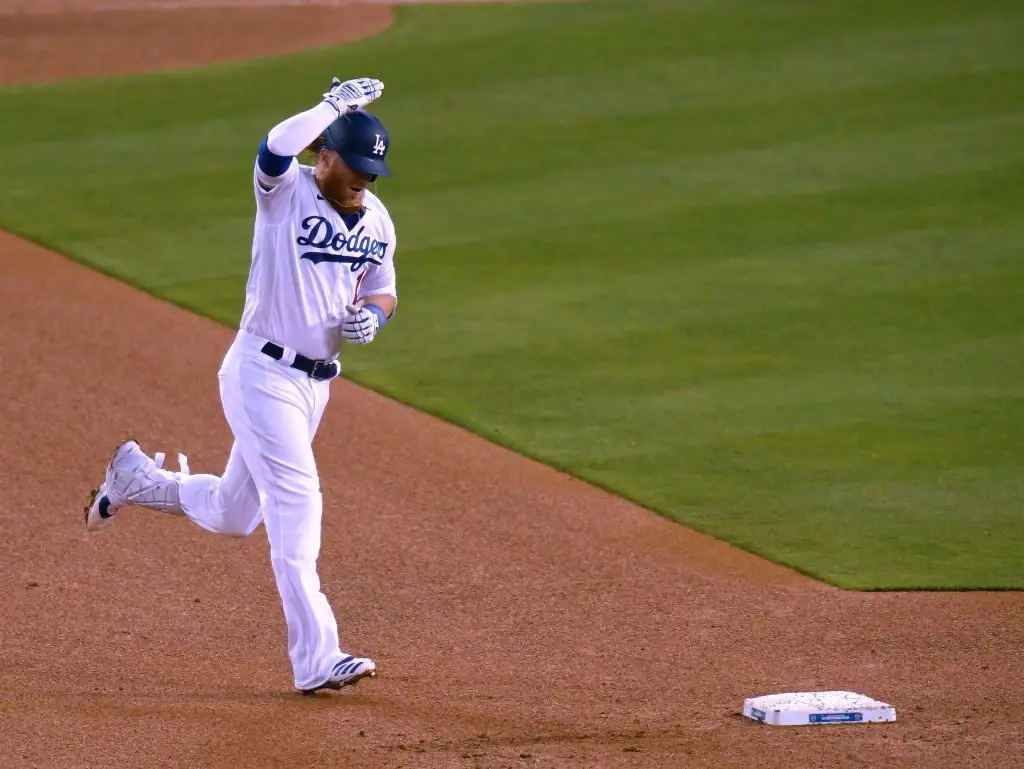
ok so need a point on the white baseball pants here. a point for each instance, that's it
(274, 411)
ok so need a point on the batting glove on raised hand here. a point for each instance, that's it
(353, 94)
(360, 325)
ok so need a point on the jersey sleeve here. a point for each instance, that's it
(380, 278)
(277, 170)
(274, 181)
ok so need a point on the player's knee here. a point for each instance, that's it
(244, 529)
(300, 493)
(293, 564)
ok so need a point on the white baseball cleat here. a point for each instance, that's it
(348, 672)
(133, 478)
(98, 512)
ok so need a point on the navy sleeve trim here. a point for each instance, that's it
(271, 164)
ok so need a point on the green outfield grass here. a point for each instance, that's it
(758, 266)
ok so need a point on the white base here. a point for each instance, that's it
(805, 708)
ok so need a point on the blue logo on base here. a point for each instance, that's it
(835, 718)
(758, 714)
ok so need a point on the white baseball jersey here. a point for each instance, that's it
(309, 261)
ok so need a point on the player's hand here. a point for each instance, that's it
(360, 325)
(353, 94)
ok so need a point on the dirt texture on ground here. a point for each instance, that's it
(50, 40)
(518, 617)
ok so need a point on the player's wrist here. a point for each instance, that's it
(379, 312)
(329, 110)
(336, 109)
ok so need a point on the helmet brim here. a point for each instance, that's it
(365, 165)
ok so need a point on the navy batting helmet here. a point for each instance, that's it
(361, 140)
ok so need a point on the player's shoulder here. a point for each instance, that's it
(306, 173)
(305, 182)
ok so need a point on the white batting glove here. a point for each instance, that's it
(360, 325)
(353, 94)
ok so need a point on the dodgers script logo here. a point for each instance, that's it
(355, 249)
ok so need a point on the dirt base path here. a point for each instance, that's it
(518, 617)
(51, 40)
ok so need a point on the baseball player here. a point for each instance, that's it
(322, 272)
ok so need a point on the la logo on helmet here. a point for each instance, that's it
(379, 147)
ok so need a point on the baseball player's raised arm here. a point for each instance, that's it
(288, 138)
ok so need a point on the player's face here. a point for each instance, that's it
(336, 174)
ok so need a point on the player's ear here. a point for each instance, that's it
(323, 158)
(316, 147)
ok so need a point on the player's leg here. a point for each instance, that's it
(273, 407)
(349, 669)
(225, 505)
(228, 504)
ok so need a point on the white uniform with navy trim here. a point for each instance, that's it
(307, 263)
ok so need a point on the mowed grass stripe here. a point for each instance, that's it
(216, 148)
(706, 291)
(466, 214)
(774, 79)
(736, 78)
(677, 184)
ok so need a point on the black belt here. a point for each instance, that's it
(315, 369)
